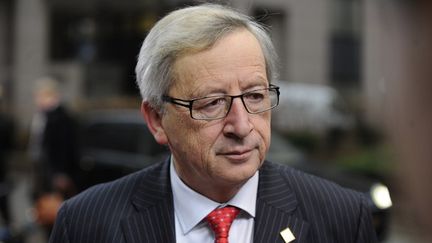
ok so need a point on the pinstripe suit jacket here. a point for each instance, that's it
(139, 208)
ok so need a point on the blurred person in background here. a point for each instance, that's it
(192, 67)
(53, 146)
(6, 144)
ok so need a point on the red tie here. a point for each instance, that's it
(220, 221)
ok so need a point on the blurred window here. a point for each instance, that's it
(105, 39)
(345, 45)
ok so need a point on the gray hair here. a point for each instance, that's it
(47, 85)
(190, 30)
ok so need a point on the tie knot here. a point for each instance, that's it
(220, 221)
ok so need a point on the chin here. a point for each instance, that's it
(245, 171)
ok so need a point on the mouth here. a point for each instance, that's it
(237, 155)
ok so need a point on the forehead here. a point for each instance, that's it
(235, 62)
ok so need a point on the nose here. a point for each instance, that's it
(237, 121)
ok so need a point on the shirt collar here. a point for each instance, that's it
(191, 207)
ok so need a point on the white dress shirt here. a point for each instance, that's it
(191, 208)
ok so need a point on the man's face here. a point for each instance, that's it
(46, 100)
(225, 152)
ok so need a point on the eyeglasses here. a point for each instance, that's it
(218, 106)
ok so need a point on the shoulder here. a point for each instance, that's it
(95, 215)
(59, 117)
(102, 197)
(326, 205)
(318, 197)
(112, 197)
(309, 186)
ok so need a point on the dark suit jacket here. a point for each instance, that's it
(139, 208)
(60, 141)
(58, 152)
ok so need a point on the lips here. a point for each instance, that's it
(237, 155)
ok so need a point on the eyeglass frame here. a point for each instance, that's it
(176, 101)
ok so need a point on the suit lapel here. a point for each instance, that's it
(153, 220)
(276, 208)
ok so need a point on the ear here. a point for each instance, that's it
(154, 122)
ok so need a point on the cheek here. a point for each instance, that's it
(262, 126)
(186, 135)
(204, 138)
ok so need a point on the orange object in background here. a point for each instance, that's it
(46, 208)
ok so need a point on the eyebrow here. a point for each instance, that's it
(257, 84)
(213, 90)
(207, 91)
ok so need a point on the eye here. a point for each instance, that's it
(254, 96)
(209, 104)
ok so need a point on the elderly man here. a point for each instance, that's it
(205, 77)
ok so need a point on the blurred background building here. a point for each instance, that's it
(342, 49)
(91, 45)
